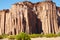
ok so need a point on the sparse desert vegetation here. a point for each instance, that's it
(24, 36)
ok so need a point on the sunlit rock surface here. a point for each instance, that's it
(41, 17)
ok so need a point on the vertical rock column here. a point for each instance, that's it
(13, 19)
(7, 22)
(18, 19)
(25, 13)
(21, 18)
(55, 19)
(3, 15)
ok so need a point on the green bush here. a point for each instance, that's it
(22, 36)
(11, 36)
(50, 35)
(1, 37)
(4, 35)
(41, 35)
(58, 34)
(34, 35)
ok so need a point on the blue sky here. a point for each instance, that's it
(6, 4)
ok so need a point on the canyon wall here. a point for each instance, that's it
(58, 18)
(30, 18)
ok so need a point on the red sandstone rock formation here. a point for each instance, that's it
(58, 15)
(30, 18)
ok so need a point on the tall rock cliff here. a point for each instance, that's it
(58, 17)
(30, 18)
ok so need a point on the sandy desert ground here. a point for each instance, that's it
(44, 38)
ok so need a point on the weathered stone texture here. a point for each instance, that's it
(30, 18)
(58, 15)
(47, 15)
